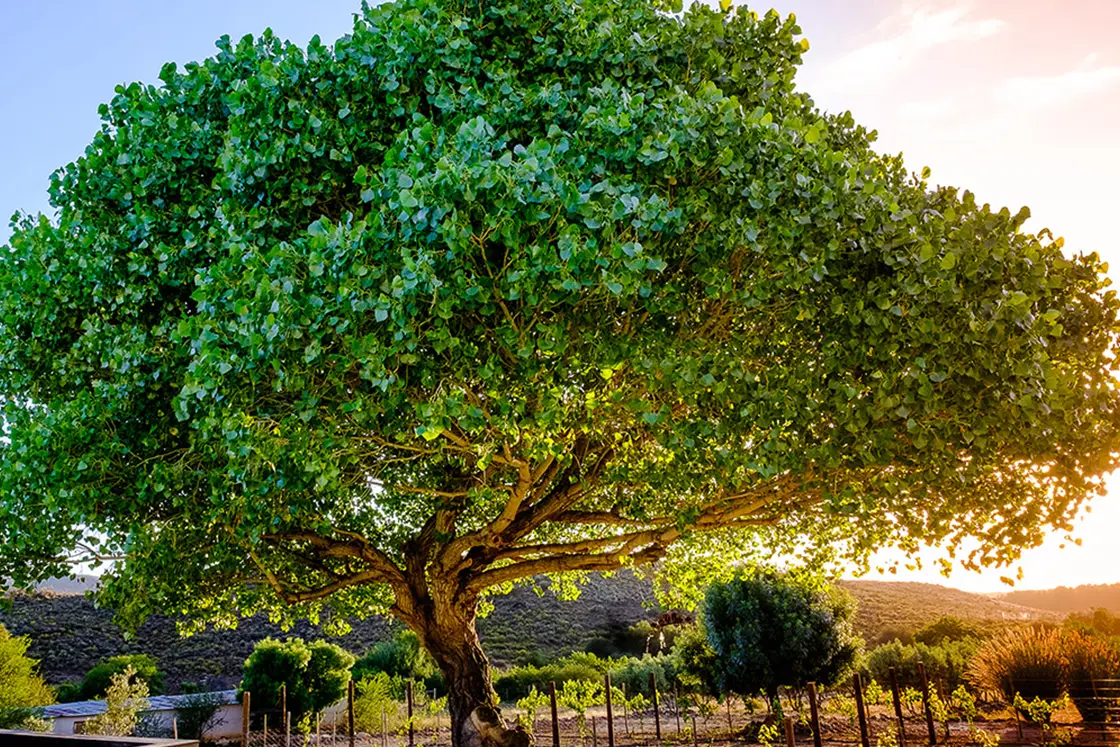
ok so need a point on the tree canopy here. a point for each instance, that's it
(483, 291)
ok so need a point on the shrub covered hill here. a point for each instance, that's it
(69, 634)
(1066, 599)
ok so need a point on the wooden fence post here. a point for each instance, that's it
(896, 695)
(730, 726)
(625, 711)
(555, 720)
(318, 728)
(174, 727)
(864, 737)
(695, 738)
(656, 712)
(245, 719)
(411, 726)
(283, 700)
(287, 729)
(610, 712)
(265, 740)
(350, 712)
(789, 732)
(925, 704)
(677, 706)
(594, 732)
(814, 715)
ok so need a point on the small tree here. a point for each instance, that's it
(770, 630)
(125, 699)
(98, 680)
(22, 690)
(199, 713)
(315, 674)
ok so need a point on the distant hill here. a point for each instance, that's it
(887, 606)
(70, 635)
(1065, 599)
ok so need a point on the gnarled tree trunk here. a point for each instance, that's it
(445, 623)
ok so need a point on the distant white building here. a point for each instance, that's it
(69, 718)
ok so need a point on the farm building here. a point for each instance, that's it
(69, 718)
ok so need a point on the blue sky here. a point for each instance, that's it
(1018, 100)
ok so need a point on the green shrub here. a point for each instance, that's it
(375, 702)
(315, 675)
(946, 628)
(516, 683)
(771, 630)
(97, 681)
(633, 673)
(945, 663)
(22, 690)
(1028, 661)
(402, 657)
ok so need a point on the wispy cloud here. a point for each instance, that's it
(910, 33)
(1045, 91)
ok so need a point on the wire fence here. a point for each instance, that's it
(1042, 712)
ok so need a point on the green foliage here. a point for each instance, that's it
(945, 663)
(401, 657)
(518, 682)
(633, 673)
(284, 274)
(1027, 661)
(125, 698)
(945, 628)
(1099, 622)
(580, 695)
(771, 630)
(695, 661)
(315, 674)
(197, 714)
(375, 702)
(22, 690)
(529, 705)
(98, 680)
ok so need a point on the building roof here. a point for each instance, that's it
(88, 708)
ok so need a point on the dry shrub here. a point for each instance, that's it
(1091, 663)
(1029, 661)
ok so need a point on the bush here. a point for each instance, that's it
(198, 714)
(375, 698)
(944, 663)
(125, 698)
(22, 690)
(633, 673)
(1029, 661)
(316, 675)
(516, 683)
(97, 681)
(945, 628)
(694, 662)
(771, 630)
(401, 657)
(1090, 661)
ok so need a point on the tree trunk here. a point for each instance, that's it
(447, 629)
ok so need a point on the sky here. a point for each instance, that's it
(1017, 100)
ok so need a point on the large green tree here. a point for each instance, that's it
(489, 290)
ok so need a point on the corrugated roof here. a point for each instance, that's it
(87, 708)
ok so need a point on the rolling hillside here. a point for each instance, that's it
(1065, 599)
(70, 635)
(886, 606)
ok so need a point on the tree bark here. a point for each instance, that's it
(446, 626)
